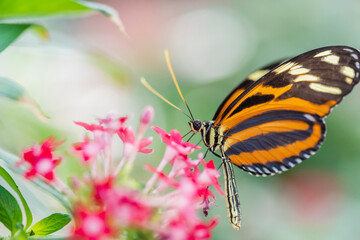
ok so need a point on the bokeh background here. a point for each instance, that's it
(89, 68)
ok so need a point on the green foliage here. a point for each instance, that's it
(13, 185)
(50, 224)
(10, 89)
(10, 32)
(19, 9)
(27, 12)
(14, 91)
(10, 212)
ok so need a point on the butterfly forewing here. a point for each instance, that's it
(252, 78)
(276, 122)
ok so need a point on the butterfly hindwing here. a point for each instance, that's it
(275, 123)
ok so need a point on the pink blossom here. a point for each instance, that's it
(113, 124)
(41, 159)
(174, 140)
(127, 135)
(147, 115)
(179, 229)
(127, 207)
(90, 224)
(164, 179)
(88, 148)
(90, 127)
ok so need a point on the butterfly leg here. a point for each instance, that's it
(231, 194)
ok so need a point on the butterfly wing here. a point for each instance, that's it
(277, 122)
(252, 78)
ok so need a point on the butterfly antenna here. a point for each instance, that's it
(168, 62)
(147, 85)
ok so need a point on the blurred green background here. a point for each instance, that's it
(89, 68)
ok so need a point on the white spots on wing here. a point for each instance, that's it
(312, 152)
(276, 170)
(291, 164)
(298, 160)
(283, 168)
(298, 69)
(311, 118)
(324, 53)
(250, 169)
(284, 67)
(266, 170)
(348, 49)
(332, 59)
(325, 89)
(357, 74)
(257, 75)
(357, 65)
(348, 80)
(355, 56)
(348, 71)
(307, 77)
(306, 155)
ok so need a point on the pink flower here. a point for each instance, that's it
(112, 124)
(180, 229)
(174, 140)
(209, 176)
(90, 224)
(41, 159)
(147, 115)
(89, 149)
(101, 188)
(165, 180)
(127, 207)
(127, 135)
(90, 127)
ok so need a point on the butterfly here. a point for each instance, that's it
(274, 119)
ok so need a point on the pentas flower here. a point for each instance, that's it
(41, 160)
(109, 203)
(91, 224)
(173, 140)
(128, 207)
(127, 135)
(113, 124)
(89, 148)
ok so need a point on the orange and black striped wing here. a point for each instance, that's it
(252, 78)
(277, 122)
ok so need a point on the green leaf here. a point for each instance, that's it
(108, 11)
(20, 9)
(11, 89)
(10, 212)
(50, 224)
(14, 91)
(20, 235)
(13, 185)
(10, 32)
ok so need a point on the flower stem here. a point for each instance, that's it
(153, 178)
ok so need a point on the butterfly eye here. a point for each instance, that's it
(195, 126)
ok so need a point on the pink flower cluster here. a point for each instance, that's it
(41, 160)
(108, 202)
(190, 190)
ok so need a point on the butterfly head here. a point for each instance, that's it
(196, 125)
